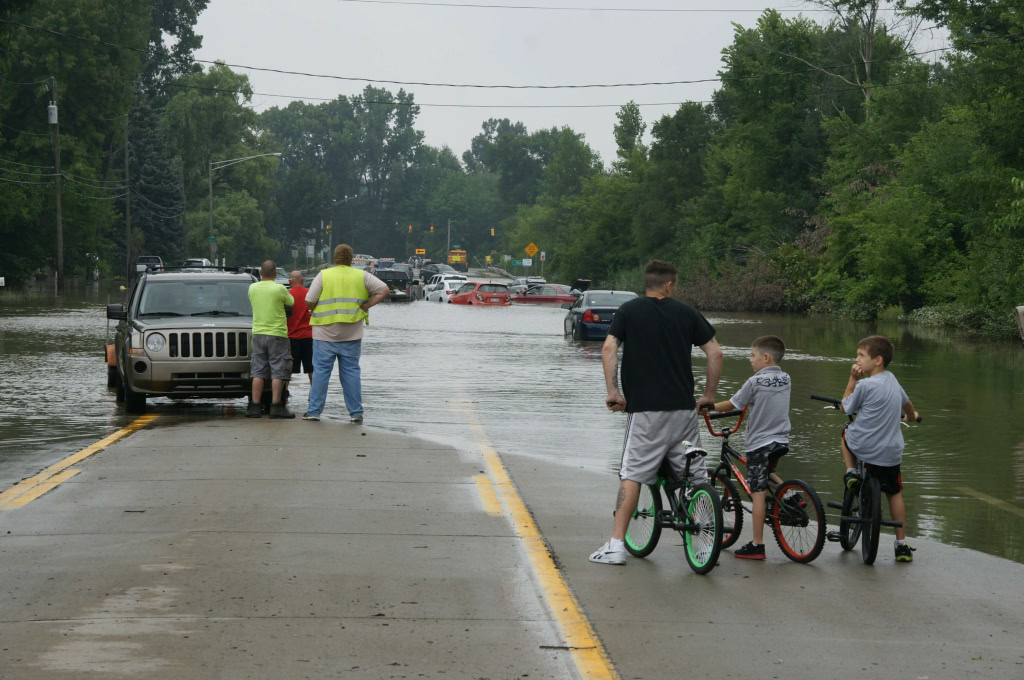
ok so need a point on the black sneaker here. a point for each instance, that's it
(796, 501)
(280, 411)
(254, 410)
(750, 552)
(357, 420)
(904, 553)
(852, 481)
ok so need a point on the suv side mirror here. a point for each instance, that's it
(117, 311)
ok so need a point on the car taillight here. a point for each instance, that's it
(449, 291)
(588, 316)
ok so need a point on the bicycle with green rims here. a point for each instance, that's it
(694, 510)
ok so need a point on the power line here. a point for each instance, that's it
(68, 175)
(34, 82)
(27, 165)
(648, 10)
(156, 205)
(488, 86)
(143, 208)
(24, 132)
(30, 174)
(18, 181)
(96, 198)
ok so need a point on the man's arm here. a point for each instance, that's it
(715, 357)
(610, 362)
(375, 297)
(315, 289)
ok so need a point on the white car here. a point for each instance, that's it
(437, 280)
(445, 289)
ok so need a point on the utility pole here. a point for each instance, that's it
(213, 244)
(184, 222)
(449, 248)
(127, 207)
(52, 117)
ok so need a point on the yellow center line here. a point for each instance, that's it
(10, 499)
(39, 489)
(587, 651)
(487, 496)
(992, 500)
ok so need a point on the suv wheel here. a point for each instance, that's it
(134, 402)
(118, 386)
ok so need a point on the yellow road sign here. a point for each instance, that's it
(531, 249)
(421, 251)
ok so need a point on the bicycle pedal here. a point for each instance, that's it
(833, 537)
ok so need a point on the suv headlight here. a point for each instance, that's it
(154, 342)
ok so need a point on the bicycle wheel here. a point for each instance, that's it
(732, 508)
(849, 532)
(871, 511)
(702, 541)
(644, 528)
(798, 521)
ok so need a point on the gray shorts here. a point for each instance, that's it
(651, 436)
(271, 357)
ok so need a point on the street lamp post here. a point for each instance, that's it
(330, 240)
(217, 165)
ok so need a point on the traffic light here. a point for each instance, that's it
(431, 228)
(410, 228)
(492, 231)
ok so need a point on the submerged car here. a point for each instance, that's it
(398, 282)
(549, 293)
(443, 290)
(590, 317)
(183, 335)
(476, 293)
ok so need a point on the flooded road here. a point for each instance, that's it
(538, 394)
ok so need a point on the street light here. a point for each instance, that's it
(330, 238)
(217, 165)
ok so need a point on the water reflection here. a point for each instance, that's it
(538, 394)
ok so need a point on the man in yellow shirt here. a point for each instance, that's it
(271, 351)
(339, 298)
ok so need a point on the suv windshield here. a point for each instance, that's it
(195, 298)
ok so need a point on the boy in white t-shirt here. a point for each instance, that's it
(767, 394)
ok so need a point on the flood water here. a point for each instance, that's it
(537, 394)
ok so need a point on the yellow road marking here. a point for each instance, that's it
(587, 651)
(998, 502)
(38, 490)
(8, 498)
(487, 496)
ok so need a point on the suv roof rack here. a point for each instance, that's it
(210, 267)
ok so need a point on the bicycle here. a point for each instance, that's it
(860, 515)
(793, 510)
(695, 511)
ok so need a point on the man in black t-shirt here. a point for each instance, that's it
(657, 333)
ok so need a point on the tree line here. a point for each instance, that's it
(835, 168)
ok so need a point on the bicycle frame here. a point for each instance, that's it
(667, 483)
(729, 454)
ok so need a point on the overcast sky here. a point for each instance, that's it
(485, 46)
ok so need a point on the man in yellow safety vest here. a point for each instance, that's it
(339, 299)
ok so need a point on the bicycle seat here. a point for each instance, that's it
(778, 450)
(693, 451)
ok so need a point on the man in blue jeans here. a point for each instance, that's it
(339, 299)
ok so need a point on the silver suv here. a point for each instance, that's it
(183, 335)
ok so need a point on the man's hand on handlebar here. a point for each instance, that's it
(706, 402)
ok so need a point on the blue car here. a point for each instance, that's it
(590, 317)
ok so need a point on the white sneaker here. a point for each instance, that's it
(606, 554)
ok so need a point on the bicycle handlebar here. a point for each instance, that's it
(715, 415)
(837, 402)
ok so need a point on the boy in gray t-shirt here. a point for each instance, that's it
(875, 395)
(767, 394)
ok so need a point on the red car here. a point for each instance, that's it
(476, 293)
(548, 293)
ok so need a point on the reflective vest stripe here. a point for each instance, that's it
(336, 311)
(327, 302)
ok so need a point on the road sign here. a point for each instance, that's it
(531, 249)
(542, 256)
(421, 251)
(527, 261)
(507, 258)
(212, 239)
(517, 263)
